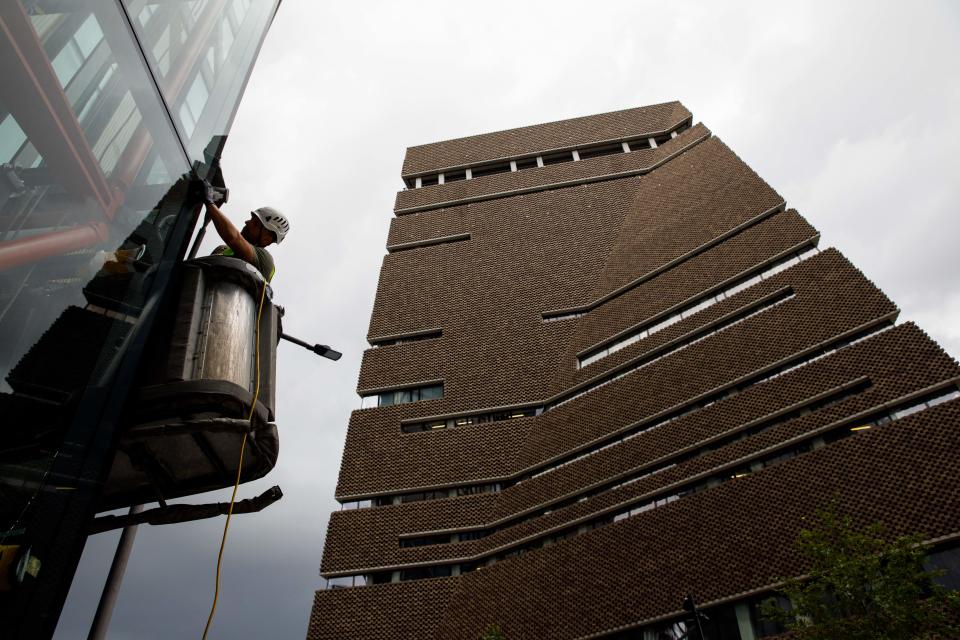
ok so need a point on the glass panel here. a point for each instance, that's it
(91, 187)
(947, 563)
(201, 53)
(12, 138)
(192, 107)
(762, 626)
(908, 411)
(431, 393)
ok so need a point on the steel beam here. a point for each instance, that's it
(26, 250)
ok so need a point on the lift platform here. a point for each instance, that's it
(188, 415)
(185, 420)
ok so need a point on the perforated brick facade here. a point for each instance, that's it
(746, 377)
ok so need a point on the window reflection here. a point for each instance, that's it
(201, 52)
(91, 186)
(12, 138)
(77, 50)
(192, 107)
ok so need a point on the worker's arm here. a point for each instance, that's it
(231, 235)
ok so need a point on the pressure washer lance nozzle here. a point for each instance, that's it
(319, 349)
(326, 352)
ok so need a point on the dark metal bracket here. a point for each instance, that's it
(175, 513)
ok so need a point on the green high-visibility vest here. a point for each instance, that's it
(264, 264)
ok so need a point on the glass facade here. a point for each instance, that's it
(200, 52)
(108, 110)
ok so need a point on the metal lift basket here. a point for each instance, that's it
(188, 415)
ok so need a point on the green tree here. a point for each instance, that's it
(493, 632)
(863, 584)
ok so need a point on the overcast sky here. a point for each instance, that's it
(850, 110)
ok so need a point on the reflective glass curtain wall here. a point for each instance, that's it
(106, 107)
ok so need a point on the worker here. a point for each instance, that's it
(265, 226)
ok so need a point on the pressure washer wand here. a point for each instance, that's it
(319, 349)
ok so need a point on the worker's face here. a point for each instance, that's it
(255, 233)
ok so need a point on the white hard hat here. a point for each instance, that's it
(273, 220)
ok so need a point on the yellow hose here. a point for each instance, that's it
(243, 445)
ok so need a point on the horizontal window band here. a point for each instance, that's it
(510, 408)
(846, 390)
(464, 421)
(694, 304)
(907, 404)
(403, 395)
(559, 317)
(403, 338)
(665, 350)
(820, 400)
(551, 186)
(875, 417)
(686, 122)
(440, 532)
(434, 539)
(419, 244)
(810, 244)
(438, 494)
(402, 496)
(772, 371)
(669, 348)
(754, 427)
(371, 391)
(653, 273)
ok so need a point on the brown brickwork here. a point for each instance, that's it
(565, 134)
(550, 176)
(458, 455)
(385, 611)
(365, 538)
(729, 540)
(622, 240)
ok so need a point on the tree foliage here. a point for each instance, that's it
(493, 632)
(864, 585)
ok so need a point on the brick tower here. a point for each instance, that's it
(609, 367)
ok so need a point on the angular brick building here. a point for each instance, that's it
(609, 367)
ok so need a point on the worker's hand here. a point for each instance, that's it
(209, 193)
